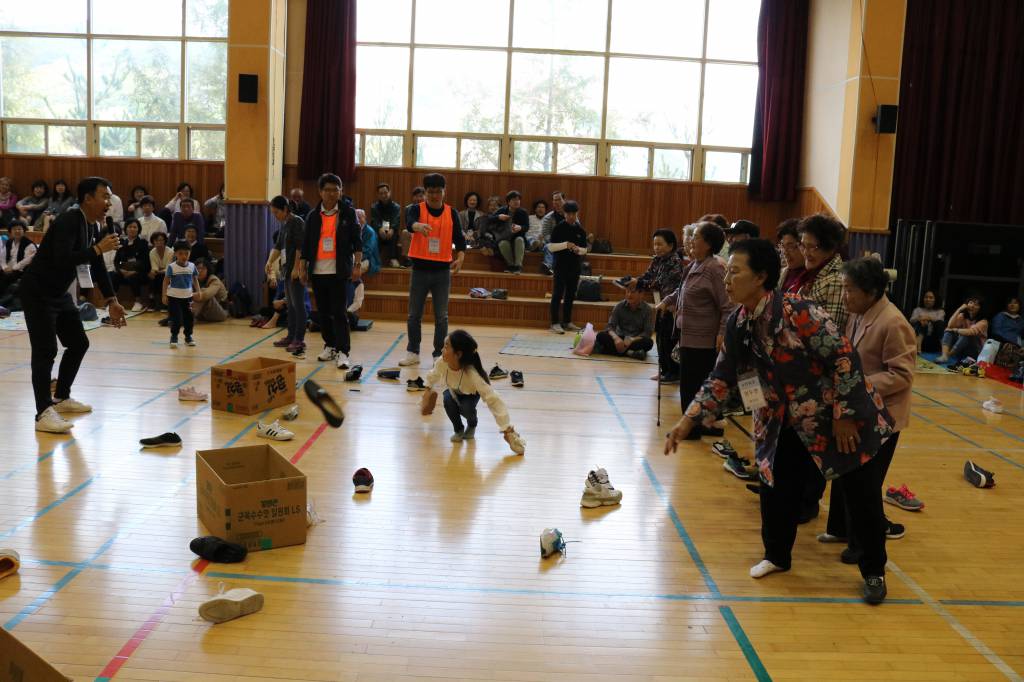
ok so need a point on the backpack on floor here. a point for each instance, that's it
(601, 246)
(1010, 355)
(589, 289)
(239, 301)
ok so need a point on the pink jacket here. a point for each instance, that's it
(885, 342)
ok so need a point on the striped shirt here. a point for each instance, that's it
(179, 279)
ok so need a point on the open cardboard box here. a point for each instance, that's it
(252, 386)
(18, 663)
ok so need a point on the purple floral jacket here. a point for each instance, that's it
(810, 375)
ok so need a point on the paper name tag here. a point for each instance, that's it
(85, 276)
(328, 243)
(434, 245)
(751, 391)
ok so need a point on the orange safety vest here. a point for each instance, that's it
(440, 234)
(328, 230)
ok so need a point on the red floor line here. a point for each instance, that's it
(146, 629)
(305, 446)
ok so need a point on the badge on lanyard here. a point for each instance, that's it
(434, 245)
(751, 391)
(328, 243)
(85, 276)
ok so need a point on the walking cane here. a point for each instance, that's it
(658, 382)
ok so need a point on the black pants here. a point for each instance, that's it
(156, 286)
(780, 506)
(180, 314)
(604, 344)
(459, 406)
(134, 280)
(330, 293)
(665, 333)
(8, 279)
(695, 364)
(838, 514)
(49, 319)
(563, 293)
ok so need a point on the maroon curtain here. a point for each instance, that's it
(779, 108)
(959, 148)
(328, 118)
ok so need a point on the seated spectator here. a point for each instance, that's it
(185, 217)
(197, 249)
(354, 295)
(535, 235)
(1008, 326)
(484, 236)
(371, 254)
(15, 255)
(663, 276)
(115, 213)
(929, 323)
(214, 212)
(299, 205)
(629, 328)
(213, 295)
(30, 208)
(8, 202)
(185, 191)
(419, 195)
(150, 223)
(159, 258)
(966, 332)
(386, 220)
(131, 263)
(509, 226)
(548, 224)
(468, 216)
(60, 200)
(133, 209)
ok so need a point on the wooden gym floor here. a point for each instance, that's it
(437, 573)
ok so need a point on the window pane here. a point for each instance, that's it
(117, 141)
(724, 167)
(577, 159)
(556, 95)
(531, 156)
(206, 145)
(672, 164)
(206, 78)
(462, 22)
(358, 147)
(383, 21)
(459, 91)
(207, 18)
(637, 111)
(674, 28)
(382, 87)
(66, 140)
(729, 94)
(54, 66)
(631, 161)
(542, 23)
(25, 139)
(480, 154)
(43, 16)
(383, 150)
(137, 17)
(732, 29)
(125, 78)
(159, 143)
(435, 152)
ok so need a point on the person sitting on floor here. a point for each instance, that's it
(8, 202)
(1008, 325)
(509, 226)
(966, 332)
(929, 323)
(15, 255)
(131, 264)
(213, 295)
(629, 329)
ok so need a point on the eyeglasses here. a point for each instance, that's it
(809, 248)
(791, 247)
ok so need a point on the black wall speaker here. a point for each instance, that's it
(248, 88)
(885, 119)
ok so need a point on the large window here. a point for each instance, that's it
(126, 78)
(632, 88)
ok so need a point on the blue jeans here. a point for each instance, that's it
(295, 298)
(438, 284)
(961, 346)
(549, 258)
(459, 406)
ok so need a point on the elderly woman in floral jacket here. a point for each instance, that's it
(788, 362)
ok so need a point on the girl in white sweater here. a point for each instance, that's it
(459, 369)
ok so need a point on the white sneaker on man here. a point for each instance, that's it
(557, 329)
(51, 422)
(410, 360)
(342, 359)
(273, 431)
(327, 354)
(71, 406)
(138, 307)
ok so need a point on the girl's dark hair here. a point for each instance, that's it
(787, 228)
(157, 235)
(829, 232)
(712, 234)
(1011, 300)
(67, 190)
(133, 221)
(762, 258)
(981, 306)
(533, 209)
(280, 203)
(183, 185)
(144, 190)
(479, 201)
(868, 275)
(938, 304)
(465, 345)
(41, 183)
(668, 235)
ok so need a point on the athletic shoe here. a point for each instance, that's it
(362, 480)
(894, 531)
(724, 449)
(291, 414)
(327, 354)
(828, 538)
(342, 359)
(230, 605)
(164, 322)
(410, 360)
(331, 410)
(294, 346)
(51, 422)
(191, 393)
(517, 378)
(71, 406)
(162, 441)
(993, 405)
(273, 431)
(765, 567)
(557, 329)
(545, 270)
(737, 466)
(903, 498)
(469, 433)
(389, 374)
(598, 491)
(457, 437)
(173, 344)
(189, 341)
(138, 307)
(394, 263)
(217, 550)
(10, 561)
(497, 373)
(874, 589)
(354, 374)
(514, 440)
(637, 354)
(978, 477)
(282, 343)
(621, 282)
(415, 385)
(570, 327)
(299, 353)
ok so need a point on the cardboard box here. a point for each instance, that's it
(251, 495)
(18, 663)
(252, 386)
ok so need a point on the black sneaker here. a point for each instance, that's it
(161, 441)
(164, 322)
(894, 531)
(724, 449)
(874, 589)
(362, 480)
(737, 466)
(978, 477)
(545, 270)
(669, 379)
(414, 385)
(217, 550)
(331, 410)
(354, 374)
(517, 378)
(389, 374)
(498, 373)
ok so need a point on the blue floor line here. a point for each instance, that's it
(745, 645)
(977, 420)
(968, 440)
(380, 360)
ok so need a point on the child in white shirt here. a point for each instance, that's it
(181, 287)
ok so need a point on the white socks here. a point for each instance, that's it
(763, 568)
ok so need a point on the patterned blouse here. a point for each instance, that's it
(663, 274)
(809, 374)
(826, 289)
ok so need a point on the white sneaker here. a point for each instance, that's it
(571, 327)
(327, 354)
(273, 431)
(138, 307)
(763, 568)
(993, 404)
(514, 440)
(191, 393)
(342, 360)
(394, 263)
(410, 360)
(230, 605)
(71, 406)
(51, 422)
(598, 491)
(557, 329)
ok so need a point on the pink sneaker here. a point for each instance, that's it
(283, 343)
